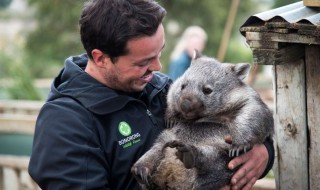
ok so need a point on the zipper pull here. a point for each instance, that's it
(151, 117)
(149, 112)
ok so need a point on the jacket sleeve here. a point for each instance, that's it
(66, 152)
(269, 145)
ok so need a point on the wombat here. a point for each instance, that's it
(208, 103)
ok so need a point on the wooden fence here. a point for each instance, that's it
(17, 117)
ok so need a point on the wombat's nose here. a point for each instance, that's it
(186, 106)
(190, 105)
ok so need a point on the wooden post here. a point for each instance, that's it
(311, 3)
(313, 103)
(291, 126)
(1, 178)
(227, 30)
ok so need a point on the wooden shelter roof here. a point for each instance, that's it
(294, 18)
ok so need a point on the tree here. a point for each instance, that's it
(20, 85)
(56, 36)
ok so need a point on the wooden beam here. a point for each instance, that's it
(264, 45)
(277, 57)
(287, 38)
(313, 102)
(227, 30)
(19, 124)
(20, 107)
(14, 162)
(291, 126)
(311, 3)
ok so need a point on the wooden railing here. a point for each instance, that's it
(14, 173)
(17, 117)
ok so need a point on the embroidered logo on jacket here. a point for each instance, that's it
(125, 130)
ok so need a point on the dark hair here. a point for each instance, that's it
(108, 25)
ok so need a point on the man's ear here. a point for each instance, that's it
(100, 58)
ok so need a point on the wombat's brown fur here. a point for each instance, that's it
(206, 104)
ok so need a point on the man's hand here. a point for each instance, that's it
(253, 164)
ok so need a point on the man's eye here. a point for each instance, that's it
(144, 63)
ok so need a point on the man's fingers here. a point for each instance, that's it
(249, 185)
(227, 187)
(239, 175)
(243, 177)
(252, 165)
(237, 161)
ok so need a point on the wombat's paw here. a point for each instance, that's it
(186, 153)
(141, 173)
(228, 139)
(238, 150)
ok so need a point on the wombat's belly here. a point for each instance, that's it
(171, 173)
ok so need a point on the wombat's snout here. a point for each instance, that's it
(186, 105)
(190, 107)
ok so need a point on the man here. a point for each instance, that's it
(106, 107)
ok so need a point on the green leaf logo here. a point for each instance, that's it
(124, 128)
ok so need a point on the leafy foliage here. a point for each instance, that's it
(56, 36)
(21, 84)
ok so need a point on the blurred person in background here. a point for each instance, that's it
(194, 37)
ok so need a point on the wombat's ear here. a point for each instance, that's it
(241, 70)
(196, 54)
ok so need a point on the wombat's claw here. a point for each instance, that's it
(141, 174)
(170, 123)
(236, 151)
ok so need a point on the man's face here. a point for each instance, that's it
(132, 72)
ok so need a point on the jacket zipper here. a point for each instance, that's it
(151, 117)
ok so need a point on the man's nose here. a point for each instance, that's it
(155, 65)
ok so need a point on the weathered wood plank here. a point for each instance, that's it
(14, 162)
(277, 57)
(17, 166)
(20, 124)
(1, 178)
(291, 126)
(258, 28)
(279, 24)
(313, 104)
(277, 37)
(265, 45)
(20, 107)
(273, 26)
(311, 3)
(309, 32)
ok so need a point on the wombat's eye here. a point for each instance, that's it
(206, 90)
(183, 86)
